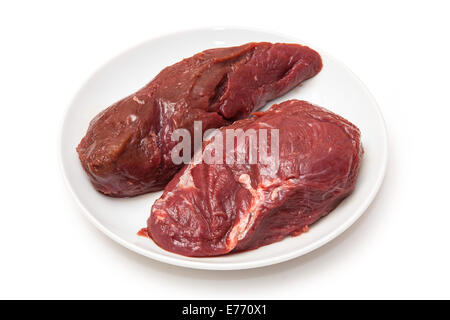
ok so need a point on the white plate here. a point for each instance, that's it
(335, 88)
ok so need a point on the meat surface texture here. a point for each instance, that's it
(215, 209)
(127, 148)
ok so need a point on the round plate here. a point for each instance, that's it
(335, 88)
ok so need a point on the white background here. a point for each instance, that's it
(398, 249)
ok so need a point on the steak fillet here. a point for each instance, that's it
(126, 150)
(215, 209)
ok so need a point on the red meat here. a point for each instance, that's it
(126, 150)
(214, 209)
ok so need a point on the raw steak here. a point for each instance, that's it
(126, 150)
(214, 209)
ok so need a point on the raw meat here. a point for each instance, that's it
(215, 209)
(126, 150)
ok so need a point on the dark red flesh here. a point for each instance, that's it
(211, 209)
(126, 150)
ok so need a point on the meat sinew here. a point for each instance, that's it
(126, 150)
(214, 209)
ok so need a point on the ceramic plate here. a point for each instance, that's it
(335, 88)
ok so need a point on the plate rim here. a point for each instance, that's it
(198, 264)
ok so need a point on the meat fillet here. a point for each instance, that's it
(126, 150)
(215, 209)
